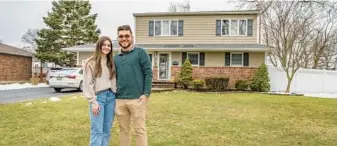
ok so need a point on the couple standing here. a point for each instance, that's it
(118, 85)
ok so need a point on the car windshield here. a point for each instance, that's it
(68, 71)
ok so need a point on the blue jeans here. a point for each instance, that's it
(102, 123)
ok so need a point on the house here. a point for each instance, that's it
(215, 42)
(83, 52)
(15, 64)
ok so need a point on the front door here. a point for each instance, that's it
(164, 67)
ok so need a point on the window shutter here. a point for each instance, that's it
(245, 59)
(202, 59)
(227, 59)
(184, 56)
(151, 26)
(250, 27)
(218, 28)
(180, 27)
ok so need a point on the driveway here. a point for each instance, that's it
(17, 95)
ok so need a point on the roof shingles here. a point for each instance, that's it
(7, 49)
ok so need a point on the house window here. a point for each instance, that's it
(193, 58)
(243, 27)
(166, 27)
(225, 27)
(174, 27)
(234, 27)
(237, 59)
(157, 27)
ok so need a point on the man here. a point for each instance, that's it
(134, 82)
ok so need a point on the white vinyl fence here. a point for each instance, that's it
(304, 81)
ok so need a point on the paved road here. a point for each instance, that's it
(17, 95)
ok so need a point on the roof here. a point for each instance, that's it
(88, 47)
(7, 49)
(181, 47)
(237, 12)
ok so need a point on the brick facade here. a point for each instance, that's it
(155, 73)
(234, 73)
(15, 68)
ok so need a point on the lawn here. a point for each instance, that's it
(181, 118)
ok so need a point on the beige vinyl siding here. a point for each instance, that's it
(176, 56)
(215, 59)
(256, 59)
(84, 56)
(197, 29)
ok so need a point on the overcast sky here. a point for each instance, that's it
(18, 16)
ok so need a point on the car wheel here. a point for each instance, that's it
(57, 89)
(81, 87)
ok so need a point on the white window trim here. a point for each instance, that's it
(152, 62)
(238, 24)
(161, 27)
(198, 57)
(232, 58)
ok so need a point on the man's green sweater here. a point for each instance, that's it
(134, 74)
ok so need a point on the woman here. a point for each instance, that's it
(99, 87)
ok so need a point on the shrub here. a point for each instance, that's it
(217, 83)
(185, 76)
(176, 81)
(197, 84)
(260, 81)
(34, 81)
(241, 84)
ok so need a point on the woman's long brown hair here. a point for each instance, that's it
(97, 58)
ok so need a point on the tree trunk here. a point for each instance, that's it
(288, 86)
(41, 72)
(290, 79)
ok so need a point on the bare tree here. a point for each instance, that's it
(324, 43)
(29, 37)
(173, 7)
(287, 28)
(180, 7)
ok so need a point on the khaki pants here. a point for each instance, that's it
(127, 110)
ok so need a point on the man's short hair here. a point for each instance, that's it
(124, 27)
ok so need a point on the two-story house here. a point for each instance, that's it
(218, 42)
(215, 42)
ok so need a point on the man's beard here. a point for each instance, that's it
(120, 44)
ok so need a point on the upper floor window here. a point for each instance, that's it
(166, 27)
(234, 27)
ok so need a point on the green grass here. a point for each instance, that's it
(182, 119)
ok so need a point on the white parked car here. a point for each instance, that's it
(51, 71)
(67, 78)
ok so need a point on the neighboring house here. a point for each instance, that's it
(85, 51)
(45, 66)
(15, 64)
(216, 43)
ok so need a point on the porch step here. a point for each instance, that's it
(157, 90)
(162, 84)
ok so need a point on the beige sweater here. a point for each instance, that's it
(92, 85)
